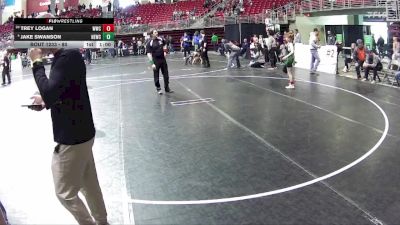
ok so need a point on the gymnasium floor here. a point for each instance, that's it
(228, 147)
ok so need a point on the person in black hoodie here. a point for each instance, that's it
(156, 50)
(6, 70)
(204, 49)
(65, 93)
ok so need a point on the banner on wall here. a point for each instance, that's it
(10, 2)
(327, 54)
(37, 6)
(368, 41)
(339, 38)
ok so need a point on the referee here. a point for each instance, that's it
(156, 51)
(204, 49)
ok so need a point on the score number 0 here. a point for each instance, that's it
(108, 27)
(108, 32)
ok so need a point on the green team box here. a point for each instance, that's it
(108, 36)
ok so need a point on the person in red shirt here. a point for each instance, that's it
(359, 56)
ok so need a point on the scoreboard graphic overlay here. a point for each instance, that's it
(64, 33)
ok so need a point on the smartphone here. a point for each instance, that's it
(32, 105)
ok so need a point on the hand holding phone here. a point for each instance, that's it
(34, 107)
(37, 104)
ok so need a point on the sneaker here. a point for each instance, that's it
(364, 79)
(373, 82)
(290, 86)
(3, 84)
(345, 70)
(168, 90)
(271, 68)
(159, 91)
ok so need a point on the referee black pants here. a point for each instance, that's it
(161, 64)
(186, 49)
(6, 72)
(204, 56)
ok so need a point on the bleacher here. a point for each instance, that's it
(251, 7)
(151, 13)
(6, 28)
(75, 13)
(259, 6)
(6, 31)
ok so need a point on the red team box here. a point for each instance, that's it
(108, 27)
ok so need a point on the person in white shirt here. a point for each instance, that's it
(314, 46)
(120, 45)
(297, 37)
(255, 52)
(272, 48)
(288, 59)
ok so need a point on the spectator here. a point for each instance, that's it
(185, 44)
(331, 39)
(380, 45)
(109, 6)
(170, 44)
(359, 56)
(297, 37)
(397, 77)
(88, 56)
(373, 42)
(120, 45)
(372, 62)
(234, 52)
(65, 93)
(348, 57)
(245, 47)
(272, 45)
(255, 54)
(396, 48)
(214, 41)
(6, 70)
(134, 46)
(314, 46)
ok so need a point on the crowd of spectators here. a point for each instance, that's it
(138, 13)
(6, 33)
(81, 13)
